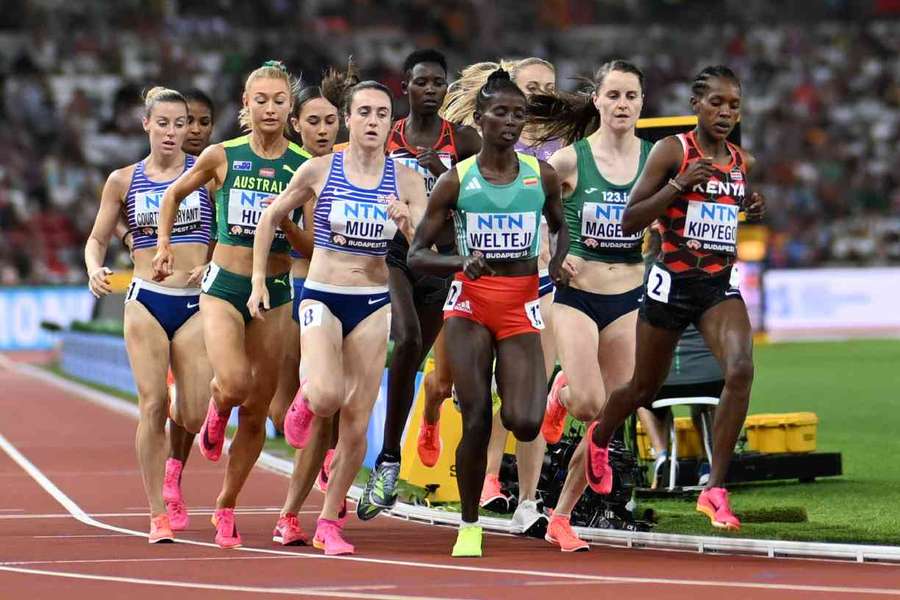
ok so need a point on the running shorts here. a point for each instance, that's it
(507, 306)
(235, 289)
(674, 303)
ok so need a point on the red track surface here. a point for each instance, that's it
(87, 452)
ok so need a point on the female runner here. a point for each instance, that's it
(363, 199)
(695, 184)
(498, 197)
(161, 320)
(245, 354)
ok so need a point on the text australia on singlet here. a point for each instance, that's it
(601, 221)
(247, 199)
(501, 236)
(362, 225)
(712, 224)
(146, 212)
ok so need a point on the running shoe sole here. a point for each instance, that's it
(554, 541)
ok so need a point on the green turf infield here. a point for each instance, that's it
(853, 387)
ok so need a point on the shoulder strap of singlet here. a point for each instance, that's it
(447, 128)
(462, 167)
(531, 161)
(297, 149)
(238, 141)
(336, 170)
(685, 148)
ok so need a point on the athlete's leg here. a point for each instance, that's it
(307, 463)
(193, 373)
(577, 341)
(438, 382)
(470, 350)
(654, 348)
(180, 442)
(727, 331)
(288, 375)
(223, 332)
(364, 352)
(615, 357)
(522, 383)
(148, 353)
(263, 349)
(496, 445)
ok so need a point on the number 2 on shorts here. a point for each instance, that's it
(533, 312)
(453, 295)
(659, 284)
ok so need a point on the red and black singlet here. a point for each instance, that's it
(699, 228)
(398, 148)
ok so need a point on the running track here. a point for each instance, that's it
(62, 455)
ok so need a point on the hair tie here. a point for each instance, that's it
(276, 64)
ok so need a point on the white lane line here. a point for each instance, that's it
(93, 535)
(143, 514)
(329, 592)
(11, 510)
(79, 514)
(825, 589)
(100, 561)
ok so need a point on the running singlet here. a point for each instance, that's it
(445, 147)
(502, 222)
(352, 219)
(699, 228)
(144, 199)
(594, 212)
(250, 186)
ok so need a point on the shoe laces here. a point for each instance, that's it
(291, 521)
(388, 472)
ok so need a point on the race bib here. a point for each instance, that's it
(146, 213)
(361, 225)
(659, 284)
(601, 226)
(430, 178)
(711, 226)
(501, 236)
(245, 208)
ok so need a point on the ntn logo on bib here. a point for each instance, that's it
(245, 208)
(501, 235)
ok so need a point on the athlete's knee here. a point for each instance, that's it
(233, 388)
(582, 404)
(407, 338)
(523, 427)
(437, 386)
(154, 409)
(325, 398)
(477, 430)
(739, 374)
(192, 422)
(250, 420)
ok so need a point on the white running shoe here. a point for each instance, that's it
(529, 520)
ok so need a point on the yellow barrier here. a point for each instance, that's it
(443, 474)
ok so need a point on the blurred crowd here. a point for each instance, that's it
(821, 86)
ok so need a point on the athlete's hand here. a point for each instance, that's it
(757, 207)
(197, 274)
(431, 160)
(163, 262)
(259, 299)
(99, 282)
(570, 266)
(475, 266)
(561, 271)
(399, 213)
(697, 173)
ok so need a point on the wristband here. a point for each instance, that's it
(675, 185)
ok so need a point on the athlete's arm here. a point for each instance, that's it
(104, 223)
(556, 225)
(468, 142)
(205, 169)
(756, 208)
(301, 189)
(653, 193)
(565, 162)
(302, 239)
(421, 256)
(409, 210)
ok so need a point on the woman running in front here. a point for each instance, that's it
(429, 145)
(532, 76)
(162, 323)
(200, 120)
(314, 119)
(595, 316)
(498, 197)
(695, 184)
(363, 199)
(245, 355)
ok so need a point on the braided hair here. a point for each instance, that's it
(700, 86)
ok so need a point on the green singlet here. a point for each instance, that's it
(249, 187)
(594, 212)
(502, 222)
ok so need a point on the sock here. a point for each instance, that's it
(391, 455)
(466, 525)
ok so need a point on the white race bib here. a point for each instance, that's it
(245, 208)
(601, 226)
(430, 178)
(501, 236)
(364, 225)
(711, 226)
(659, 284)
(146, 211)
